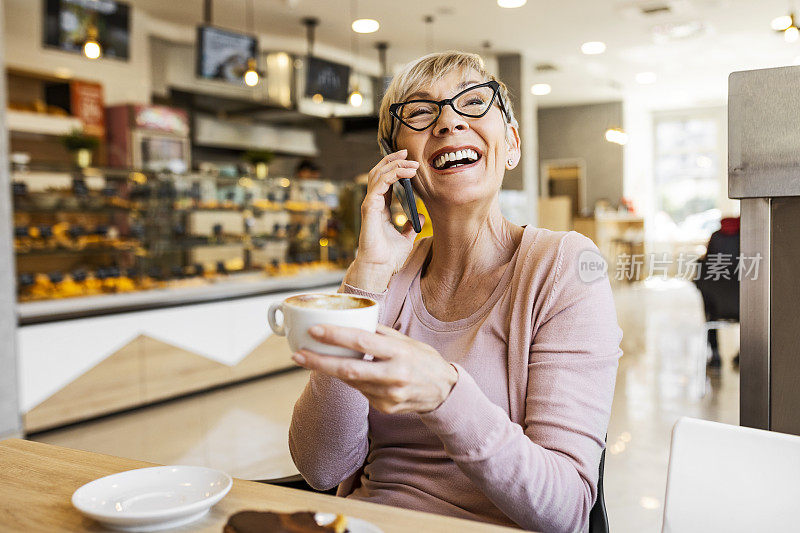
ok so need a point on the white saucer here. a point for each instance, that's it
(354, 525)
(151, 499)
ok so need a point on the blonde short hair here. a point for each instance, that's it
(430, 69)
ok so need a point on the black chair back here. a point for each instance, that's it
(598, 516)
(720, 287)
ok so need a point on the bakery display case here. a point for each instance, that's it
(138, 286)
(109, 232)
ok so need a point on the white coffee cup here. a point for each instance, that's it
(303, 311)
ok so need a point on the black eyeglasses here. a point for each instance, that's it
(473, 102)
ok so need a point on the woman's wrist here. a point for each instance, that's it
(447, 384)
(368, 277)
(450, 381)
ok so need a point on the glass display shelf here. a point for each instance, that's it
(131, 231)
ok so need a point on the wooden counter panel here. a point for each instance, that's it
(147, 371)
(112, 385)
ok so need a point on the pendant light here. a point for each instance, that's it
(791, 34)
(311, 23)
(356, 98)
(787, 24)
(91, 47)
(382, 47)
(251, 75)
(428, 20)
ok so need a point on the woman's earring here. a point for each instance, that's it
(510, 162)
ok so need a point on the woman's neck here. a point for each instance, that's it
(470, 241)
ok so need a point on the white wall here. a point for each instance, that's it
(637, 158)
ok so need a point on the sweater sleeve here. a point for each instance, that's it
(544, 475)
(328, 432)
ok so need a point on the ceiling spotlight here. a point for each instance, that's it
(510, 4)
(91, 47)
(251, 74)
(317, 98)
(791, 34)
(593, 48)
(365, 25)
(646, 78)
(356, 99)
(541, 89)
(616, 136)
(782, 22)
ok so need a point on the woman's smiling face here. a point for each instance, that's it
(489, 137)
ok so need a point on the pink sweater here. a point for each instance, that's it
(519, 438)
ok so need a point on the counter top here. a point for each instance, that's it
(235, 286)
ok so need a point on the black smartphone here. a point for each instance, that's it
(404, 192)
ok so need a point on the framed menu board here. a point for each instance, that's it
(67, 23)
(223, 54)
(326, 78)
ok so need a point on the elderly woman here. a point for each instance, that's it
(490, 385)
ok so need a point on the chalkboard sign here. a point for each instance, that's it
(331, 80)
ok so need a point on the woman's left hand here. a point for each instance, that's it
(406, 376)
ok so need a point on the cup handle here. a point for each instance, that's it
(273, 323)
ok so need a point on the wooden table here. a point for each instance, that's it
(37, 481)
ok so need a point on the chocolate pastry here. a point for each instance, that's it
(269, 522)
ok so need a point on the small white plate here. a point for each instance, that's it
(150, 499)
(354, 525)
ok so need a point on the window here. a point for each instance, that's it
(689, 173)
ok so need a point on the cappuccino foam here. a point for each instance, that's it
(329, 301)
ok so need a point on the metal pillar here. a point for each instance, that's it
(764, 172)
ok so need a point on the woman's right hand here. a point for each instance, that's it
(382, 250)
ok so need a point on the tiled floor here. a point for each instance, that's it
(662, 377)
